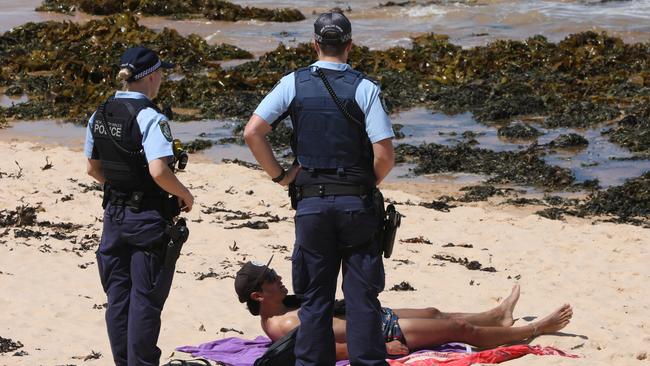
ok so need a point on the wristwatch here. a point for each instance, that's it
(280, 177)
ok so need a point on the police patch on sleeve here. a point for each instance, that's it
(166, 131)
(383, 102)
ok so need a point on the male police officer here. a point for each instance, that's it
(129, 148)
(339, 162)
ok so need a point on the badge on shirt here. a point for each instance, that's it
(166, 131)
(383, 102)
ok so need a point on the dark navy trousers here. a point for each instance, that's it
(325, 228)
(130, 268)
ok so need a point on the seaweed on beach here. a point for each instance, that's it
(402, 286)
(197, 145)
(226, 330)
(471, 265)
(586, 79)
(452, 245)
(425, 3)
(245, 164)
(569, 141)
(256, 225)
(523, 201)
(419, 240)
(438, 205)
(211, 9)
(27, 233)
(519, 131)
(24, 219)
(92, 356)
(200, 276)
(22, 216)
(520, 167)
(633, 131)
(231, 215)
(8, 345)
(94, 186)
(224, 10)
(627, 201)
(482, 193)
(552, 213)
(67, 69)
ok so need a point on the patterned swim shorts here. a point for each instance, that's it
(390, 327)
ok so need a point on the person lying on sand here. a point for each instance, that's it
(404, 330)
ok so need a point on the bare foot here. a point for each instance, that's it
(505, 309)
(554, 321)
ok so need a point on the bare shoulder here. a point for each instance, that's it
(278, 326)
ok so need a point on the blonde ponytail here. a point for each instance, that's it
(124, 74)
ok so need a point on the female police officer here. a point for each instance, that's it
(129, 149)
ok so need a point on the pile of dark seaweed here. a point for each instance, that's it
(585, 80)
(178, 9)
(23, 221)
(67, 68)
(589, 79)
(7, 345)
(521, 167)
(627, 203)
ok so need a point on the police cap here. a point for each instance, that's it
(142, 62)
(332, 28)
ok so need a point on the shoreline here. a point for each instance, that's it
(54, 307)
(441, 189)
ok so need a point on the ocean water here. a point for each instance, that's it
(377, 27)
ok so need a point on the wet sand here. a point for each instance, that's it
(53, 302)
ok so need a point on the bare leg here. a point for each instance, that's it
(499, 316)
(427, 333)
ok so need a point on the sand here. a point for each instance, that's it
(52, 301)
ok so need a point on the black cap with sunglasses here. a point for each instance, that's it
(250, 277)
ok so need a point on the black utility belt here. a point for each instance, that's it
(322, 190)
(143, 204)
(139, 201)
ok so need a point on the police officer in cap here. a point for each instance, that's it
(342, 140)
(129, 151)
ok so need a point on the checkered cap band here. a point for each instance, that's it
(147, 71)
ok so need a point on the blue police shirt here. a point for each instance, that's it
(154, 142)
(378, 124)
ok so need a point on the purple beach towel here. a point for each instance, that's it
(232, 351)
(243, 352)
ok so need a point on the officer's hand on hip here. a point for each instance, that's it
(290, 176)
(186, 202)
